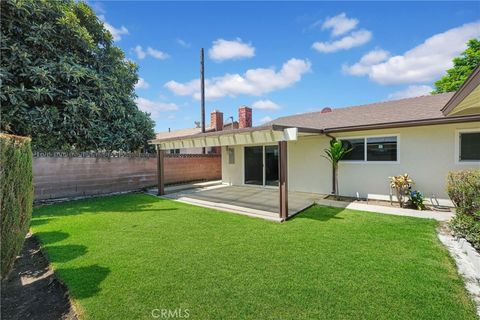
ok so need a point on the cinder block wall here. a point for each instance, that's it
(64, 177)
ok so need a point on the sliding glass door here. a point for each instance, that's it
(261, 165)
(271, 165)
(254, 165)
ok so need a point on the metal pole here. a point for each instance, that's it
(202, 91)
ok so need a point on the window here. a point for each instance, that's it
(231, 156)
(174, 151)
(382, 149)
(372, 149)
(470, 146)
(358, 149)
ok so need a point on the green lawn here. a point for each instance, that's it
(123, 256)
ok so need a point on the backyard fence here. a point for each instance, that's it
(65, 175)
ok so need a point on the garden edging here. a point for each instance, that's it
(467, 260)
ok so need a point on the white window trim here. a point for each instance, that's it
(365, 137)
(457, 148)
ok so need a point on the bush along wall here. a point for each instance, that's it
(16, 196)
(463, 188)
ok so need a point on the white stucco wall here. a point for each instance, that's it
(427, 153)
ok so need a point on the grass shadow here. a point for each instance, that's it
(37, 222)
(319, 213)
(84, 282)
(65, 253)
(49, 237)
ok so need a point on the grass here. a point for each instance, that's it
(123, 256)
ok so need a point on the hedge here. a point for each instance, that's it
(463, 188)
(16, 196)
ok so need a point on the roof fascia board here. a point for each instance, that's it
(467, 87)
(413, 123)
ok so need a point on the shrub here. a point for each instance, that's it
(416, 197)
(402, 185)
(16, 196)
(463, 188)
(468, 227)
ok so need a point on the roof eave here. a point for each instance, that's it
(467, 87)
(402, 124)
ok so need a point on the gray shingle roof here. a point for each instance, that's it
(396, 111)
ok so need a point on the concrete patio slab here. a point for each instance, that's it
(252, 201)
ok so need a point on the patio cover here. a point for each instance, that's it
(254, 135)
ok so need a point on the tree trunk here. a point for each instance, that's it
(334, 182)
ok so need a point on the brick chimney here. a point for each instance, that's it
(244, 117)
(216, 120)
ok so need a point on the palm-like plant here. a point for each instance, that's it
(334, 154)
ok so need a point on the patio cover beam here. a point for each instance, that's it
(229, 138)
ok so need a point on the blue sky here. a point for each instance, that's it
(284, 58)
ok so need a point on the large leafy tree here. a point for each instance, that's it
(462, 68)
(64, 83)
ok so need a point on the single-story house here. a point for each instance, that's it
(425, 136)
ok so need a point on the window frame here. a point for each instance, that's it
(365, 137)
(457, 154)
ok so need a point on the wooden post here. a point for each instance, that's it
(283, 177)
(160, 171)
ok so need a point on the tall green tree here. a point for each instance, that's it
(463, 66)
(64, 82)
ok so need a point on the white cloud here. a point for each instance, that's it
(265, 104)
(340, 24)
(142, 84)
(155, 108)
(117, 33)
(157, 54)
(411, 91)
(234, 49)
(140, 53)
(364, 65)
(183, 43)
(355, 39)
(253, 82)
(265, 119)
(426, 61)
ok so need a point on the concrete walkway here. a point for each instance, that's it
(263, 202)
(425, 214)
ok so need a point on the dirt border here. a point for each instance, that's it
(32, 290)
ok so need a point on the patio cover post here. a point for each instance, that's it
(160, 171)
(283, 177)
